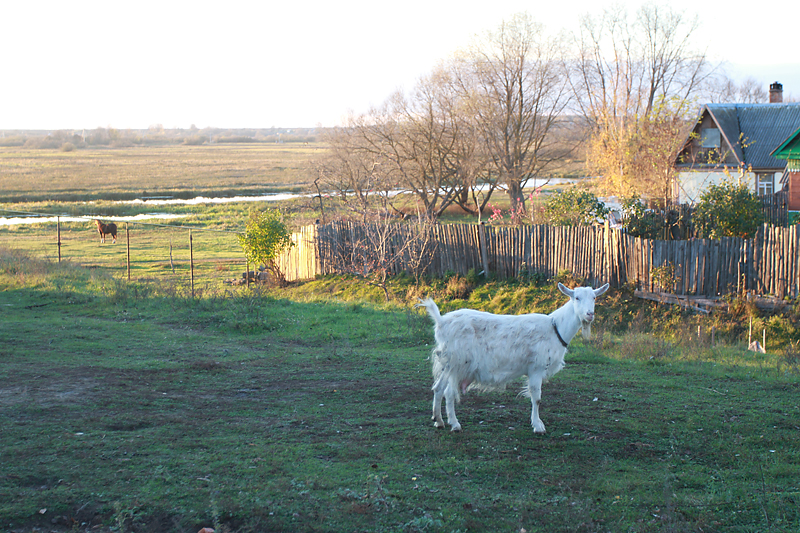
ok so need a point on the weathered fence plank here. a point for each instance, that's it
(766, 264)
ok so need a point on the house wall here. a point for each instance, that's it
(793, 197)
(691, 185)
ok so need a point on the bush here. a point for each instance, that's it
(15, 140)
(195, 140)
(573, 208)
(43, 143)
(458, 288)
(642, 222)
(265, 238)
(728, 210)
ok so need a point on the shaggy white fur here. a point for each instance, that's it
(475, 348)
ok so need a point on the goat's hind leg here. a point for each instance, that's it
(450, 395)
(438, 392)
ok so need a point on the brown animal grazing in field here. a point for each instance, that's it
(107, 229)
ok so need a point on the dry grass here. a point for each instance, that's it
(181, 171)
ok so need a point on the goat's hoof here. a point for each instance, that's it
(538, 428)
(456, 428)
(437, 425)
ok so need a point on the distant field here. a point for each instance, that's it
(180, 171)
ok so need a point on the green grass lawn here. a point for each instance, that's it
(134, 407)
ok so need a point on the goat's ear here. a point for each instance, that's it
(601, 290)
(566, 291)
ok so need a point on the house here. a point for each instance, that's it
(790, 151)
(736, 140)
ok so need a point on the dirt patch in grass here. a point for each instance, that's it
(45, 392)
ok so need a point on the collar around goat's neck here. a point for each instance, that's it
(560, 338)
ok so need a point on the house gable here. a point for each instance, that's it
(709, 144)
(790, 150)
(748, 133)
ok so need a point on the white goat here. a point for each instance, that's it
(488, 350)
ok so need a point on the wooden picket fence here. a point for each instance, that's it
(766, 265)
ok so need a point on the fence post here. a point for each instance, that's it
(128, 249)
(484, 258)
(191, 261)
(58, 232)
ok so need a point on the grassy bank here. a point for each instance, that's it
(133, 407)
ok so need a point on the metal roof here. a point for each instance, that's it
(754, 131)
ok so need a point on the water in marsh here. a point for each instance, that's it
(14, 221)
(165, 200)
(277, 197)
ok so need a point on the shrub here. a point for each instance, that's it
(15, 140)
(195, 140)
(728, 210)
(458, 288)
(43, 143)
(265, 238)
(642, 222)
(573, 207)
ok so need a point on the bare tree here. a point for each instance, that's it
(635, 83)
(422, 144)
(355, 171)
(477, 123)
(513, 84)
(725, 90)
(423, 148)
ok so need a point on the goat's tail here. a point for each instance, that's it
(432, 308)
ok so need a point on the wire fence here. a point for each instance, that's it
(144, 249)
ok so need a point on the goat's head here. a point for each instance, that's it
(582, 301)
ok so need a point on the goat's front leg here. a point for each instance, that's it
(535, 388)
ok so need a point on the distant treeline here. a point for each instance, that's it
(68, 140)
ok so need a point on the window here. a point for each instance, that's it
(766, 184)
(709, 138)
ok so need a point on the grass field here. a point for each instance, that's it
(132, 407)
(156, 252)
(179, 171)
(142, 406)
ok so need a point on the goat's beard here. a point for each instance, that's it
(586, 330)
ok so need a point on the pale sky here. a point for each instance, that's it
(294, 63)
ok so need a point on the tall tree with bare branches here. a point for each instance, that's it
(635, 81)
(513, 84)
(423, 143)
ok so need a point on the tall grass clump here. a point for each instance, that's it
(21, 270)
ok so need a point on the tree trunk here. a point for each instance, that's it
(517, 200)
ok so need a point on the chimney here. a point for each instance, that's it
(775, 93)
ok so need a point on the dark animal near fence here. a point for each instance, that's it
(107, 229)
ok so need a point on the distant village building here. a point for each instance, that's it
(789, 150)
(737, 141)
